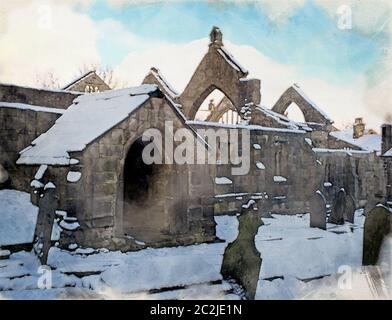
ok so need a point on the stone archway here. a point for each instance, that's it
(219, 70)
(310, 111)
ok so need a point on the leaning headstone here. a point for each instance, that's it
(318, 211)
(377, 226)
(46, 216)
(339, 208)
(350, 209)
(241, 260)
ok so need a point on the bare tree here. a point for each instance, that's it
(106, 73)
(48, 80)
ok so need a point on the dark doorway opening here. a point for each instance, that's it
(138, 189)
(137, 175)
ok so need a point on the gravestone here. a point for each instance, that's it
(241, 260)
(339, 208)
(350, 209)
(377, 226)
(318, 211)
(46, 216)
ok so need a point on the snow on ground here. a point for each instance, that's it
(109, 274)
(18, 218)
(291, 252)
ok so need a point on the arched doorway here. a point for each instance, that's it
(139, 183)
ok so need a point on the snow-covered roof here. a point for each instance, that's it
(163, 82)
(297, 88)
(369, 142)
(231, 60)
(78, 79)
(90, 116)
(23, 106)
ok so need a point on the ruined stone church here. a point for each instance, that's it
(85, 141)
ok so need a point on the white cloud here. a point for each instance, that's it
(40, 36)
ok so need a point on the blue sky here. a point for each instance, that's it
(308, 39)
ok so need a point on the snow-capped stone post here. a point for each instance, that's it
(46, 215)
(241, 260)
(377, 225)
(318, 211)
(339, 208)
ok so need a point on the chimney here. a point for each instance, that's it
(358, 128)
(386, 143)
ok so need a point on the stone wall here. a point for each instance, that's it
(38, 97)
(282, 153)
(18, 128)
(361, 174)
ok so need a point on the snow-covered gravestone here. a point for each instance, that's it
(377, 225)
(350, 209)
(241, 260)
(339, 208)
(318, 211)
(46, 215)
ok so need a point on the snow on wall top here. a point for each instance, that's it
(231, 60)
(297, 88)
(242, 126)
(90, 116)
(163, 81)
(24, 106)
(283, 120)
(369, 142)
